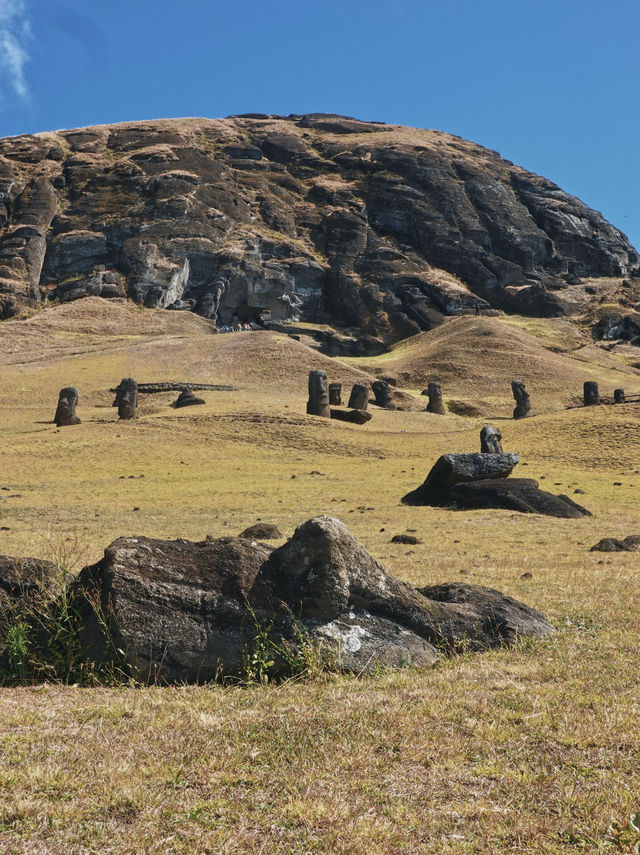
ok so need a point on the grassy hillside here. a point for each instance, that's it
(532, 750)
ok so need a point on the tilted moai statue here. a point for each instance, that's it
(521, 397)
(384, 396)
(359, 397)
(435, 405)
(186, 398)
(318, 403)
(591, 395)
(490, 440)
(66, 410)
(618, 396)
(335, 394)
(127, 398)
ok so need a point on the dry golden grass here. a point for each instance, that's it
(533, 750)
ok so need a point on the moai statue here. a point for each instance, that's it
(521, 397)
(591, 396)
(186, 398)
(335, 394)
(384, 396)
(318, 403)
(435, 405)
(127, 398)
(66, 410)
(490, 440)
(618, 396)
(359, 397)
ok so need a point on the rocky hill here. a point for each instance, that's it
(316, 218)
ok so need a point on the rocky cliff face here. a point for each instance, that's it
(314, 217)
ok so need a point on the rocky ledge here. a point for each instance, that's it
(306, 217)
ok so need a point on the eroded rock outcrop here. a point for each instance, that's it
(189, 611)
(304, 217)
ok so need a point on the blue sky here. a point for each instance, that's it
(553, 86)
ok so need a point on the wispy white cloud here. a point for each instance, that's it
(15, 35)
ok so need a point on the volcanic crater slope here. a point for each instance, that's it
(309, 217)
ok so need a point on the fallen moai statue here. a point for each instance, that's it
(186, 398)
(356, 417)
(184, 611)
(482, 481)
(66, 409)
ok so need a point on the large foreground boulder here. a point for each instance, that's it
(481, 481)
(184, 611)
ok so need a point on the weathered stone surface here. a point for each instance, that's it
(66, 409)
(618, 396)
(515, 494)
(251, 219)
(185, 611)
(126, 399)
(178, 607)
(383, 394)
(591, 394)
(612, 544)
(356, 417)
(451, 469)
(261, 531)
(186, 398)
(435, 405)
(409, 539)
(490, 440)
(318, 403)
(521, 397)
(616, 326)
(335, 394)
(359, 397)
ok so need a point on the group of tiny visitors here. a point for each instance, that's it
(236, 328)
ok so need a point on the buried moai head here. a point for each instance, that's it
(127, 398)
(591, 394)
(335, 394)
(521, 397)
(66, 409)
(384, 395)
(490, 440)
(186, 398)
(318, 403)
(618, 396)
(359, 397)
(435, 405)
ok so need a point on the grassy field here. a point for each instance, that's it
(533, 750)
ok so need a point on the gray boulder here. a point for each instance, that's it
(184, 611)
